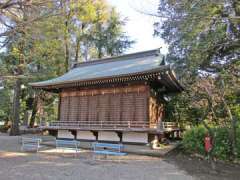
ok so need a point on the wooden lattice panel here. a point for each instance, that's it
(115, 110)
(83, 108)
(64, 108)
(128, 107)
(120, 105)
(73, 110)
(141, 103)
(92, 110)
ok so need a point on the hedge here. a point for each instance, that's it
(193, 142)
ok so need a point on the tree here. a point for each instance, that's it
(109, 39)
(18, 20)
(42, 40)
(13, 15)
(93, 29)
(204, 39)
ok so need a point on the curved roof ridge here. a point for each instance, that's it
(123, 57)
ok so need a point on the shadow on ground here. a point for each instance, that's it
(201, 168)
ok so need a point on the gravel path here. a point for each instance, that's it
(48, 164)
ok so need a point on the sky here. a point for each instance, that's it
(139, 25)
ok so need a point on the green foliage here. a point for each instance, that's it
(222, 143)
(199, 33)
(46, 39)
(5, 102)
(109, 39)
(3, 129)
(238, 142)
(92, 30)
(178, 109)
(193, 142)
(204, 38)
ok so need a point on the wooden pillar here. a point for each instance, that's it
(74, 133)
(120, 136)
(59, 106)
(95, 133)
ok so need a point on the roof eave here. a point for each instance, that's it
(142, 76)
(158, 69)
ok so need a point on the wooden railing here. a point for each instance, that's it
(169, 125)
(111, 125)
(101, 124)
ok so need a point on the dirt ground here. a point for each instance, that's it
(52, 164)
(197, 167)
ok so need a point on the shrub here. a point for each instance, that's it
(3, 128)
(221, 144)
(238, 142)
(193, 142)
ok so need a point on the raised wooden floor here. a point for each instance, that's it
(122, 126)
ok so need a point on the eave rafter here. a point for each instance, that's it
(163, 77)
(107, 81)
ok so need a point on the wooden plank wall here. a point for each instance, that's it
(109, 104)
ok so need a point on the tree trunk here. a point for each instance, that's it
(16, 106)
(25, 118)
(100, 54)
(67, 15)
(34, 112)
(67, 64)
(100, 41)
(77, 50)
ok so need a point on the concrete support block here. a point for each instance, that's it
(135, 137)
(65, 134)
(85, 135)
(108, 136)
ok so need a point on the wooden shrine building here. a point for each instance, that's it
(118, 99)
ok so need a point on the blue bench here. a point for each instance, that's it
(29, 143)
(108, 149)
(68, 144)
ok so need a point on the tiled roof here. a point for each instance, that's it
(124, 65)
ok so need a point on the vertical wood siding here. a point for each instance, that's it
(64, 108)
(121, 104)
(92, 112)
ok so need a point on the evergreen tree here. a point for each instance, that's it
(42, 39)
(204, 39)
